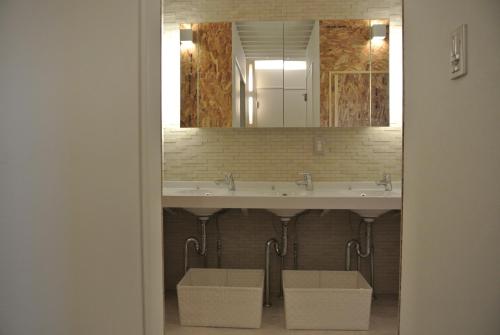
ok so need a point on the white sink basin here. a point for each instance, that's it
(373, 193)
(200, 212)
(284, 199)
(285, 213)
(370, 213)
(286, 193)
(207, 192)
(370, 193)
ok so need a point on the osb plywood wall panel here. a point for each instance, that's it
(345, 46)
(215, 71)
(189, 85)
(319, 240)
(352, 107)
(253, 154)
(206, 71)
(380, 99)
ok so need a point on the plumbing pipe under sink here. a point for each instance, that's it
(369, 251)
(281, 250)
(199, 247)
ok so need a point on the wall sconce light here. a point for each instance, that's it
(379, 31)
(186, 36)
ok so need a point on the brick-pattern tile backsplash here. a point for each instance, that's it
(192, 11)
(320, 241)
(350, 154)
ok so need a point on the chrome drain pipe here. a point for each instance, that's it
(219, 242)
(267, 282)
(369, 251)
(199, 247)
(281, 252)
(295, 255)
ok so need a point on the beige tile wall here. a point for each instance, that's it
(351, 154)
(191, 11)
(320, 239)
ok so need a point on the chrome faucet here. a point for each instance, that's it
(307, 181)
(386, 181)
(228, 180)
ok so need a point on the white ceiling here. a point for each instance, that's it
(275, 40)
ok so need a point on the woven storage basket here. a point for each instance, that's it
(221, 298)
(339, 300)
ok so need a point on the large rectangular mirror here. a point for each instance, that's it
(293, 73)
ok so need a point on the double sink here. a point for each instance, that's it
(284, 199)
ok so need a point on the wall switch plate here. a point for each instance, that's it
(458, 52)
(319, 145)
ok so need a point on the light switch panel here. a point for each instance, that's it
(458, 52)
(319, 145)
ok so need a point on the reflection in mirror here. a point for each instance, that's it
(261, 45)
(307, 73)
(276, 52)
(206, 75)
(354, 73)
(299, 44)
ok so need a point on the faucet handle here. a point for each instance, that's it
(386, 181)
(228, 176)
(307, 180)
(385, 176)
(306, 175)
(229, 179)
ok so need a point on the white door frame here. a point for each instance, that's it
(150, 169)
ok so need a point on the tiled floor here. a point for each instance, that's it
(384, 321)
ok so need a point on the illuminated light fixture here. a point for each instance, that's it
(379, 31)
(186, 36)
(295, 65)
(250, 78)
(268, 64)
(250, 110)
(279, 65)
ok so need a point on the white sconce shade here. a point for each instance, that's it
(186, 35)
(379, 31)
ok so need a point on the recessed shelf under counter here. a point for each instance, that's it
(286, 195)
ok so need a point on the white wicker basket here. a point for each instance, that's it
(221, 298)
(339, 300)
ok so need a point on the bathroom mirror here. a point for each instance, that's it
(287, 73)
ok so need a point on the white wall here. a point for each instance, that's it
(295, 107)
(238, 59)
(269, 94)
(70, 232)
(451, 219)
(314, 91)
(272, 93)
